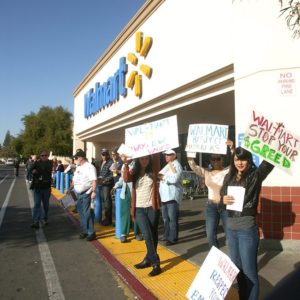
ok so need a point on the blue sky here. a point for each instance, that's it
(48, 46)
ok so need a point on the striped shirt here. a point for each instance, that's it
(144, 190)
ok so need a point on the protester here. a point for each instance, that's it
(84, 184)
(171, 191)
(125, 198)
(117, 164)
(242, 231)
(60, 167)
(145, 206)
(17, 166)
(215, 210)
(106, 182)
(41, 185)
(54, 166)
(28, 165)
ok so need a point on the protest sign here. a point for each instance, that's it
(153, 137)
(208, 138)
(272, 141)
(214, 278)
(124, 150)
(68, 200)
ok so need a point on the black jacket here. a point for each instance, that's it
(42, 176)
(252, 184)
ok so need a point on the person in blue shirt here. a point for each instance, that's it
(171, 191)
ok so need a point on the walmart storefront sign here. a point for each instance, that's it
(106, 93)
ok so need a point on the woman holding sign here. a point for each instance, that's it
(145, 204)
(213, 180)
(240, 192)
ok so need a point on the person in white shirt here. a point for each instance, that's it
(84, 184)
(171, 191)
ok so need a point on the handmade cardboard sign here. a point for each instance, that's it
(153, 137)
(208, 138)
(272, 141)
(214, 278)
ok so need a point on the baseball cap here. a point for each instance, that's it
(79, 153)
(170, 151)
(104, 151)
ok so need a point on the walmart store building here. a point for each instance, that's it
(206, 62)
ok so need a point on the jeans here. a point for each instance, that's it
(170, 213)
(147, 220)
(213, 215)
(41, 196)
(105, 197)
(243, 248)
(86, 215)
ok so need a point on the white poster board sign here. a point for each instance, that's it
(208, 138)
(67, 200)
(272, 141)
(238, 193)
(214, 278)
(153, 137)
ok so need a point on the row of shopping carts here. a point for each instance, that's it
(193, 186)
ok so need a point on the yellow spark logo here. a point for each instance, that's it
(142, 47)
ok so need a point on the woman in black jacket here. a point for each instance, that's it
(243, 236)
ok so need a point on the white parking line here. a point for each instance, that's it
(3, 208)
(3, 179)
(55, 291)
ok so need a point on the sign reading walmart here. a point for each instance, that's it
(109, 92)
(106, 93)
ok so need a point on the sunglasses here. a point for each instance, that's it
(216, 159)
(44, 155)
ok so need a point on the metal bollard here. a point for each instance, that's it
(67, 181)
(118, 213)
(57, 180)
(62, 180)
(98, 207)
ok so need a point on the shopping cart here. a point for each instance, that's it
(193, 186)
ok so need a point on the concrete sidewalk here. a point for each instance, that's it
(181, 262)
(276, 258)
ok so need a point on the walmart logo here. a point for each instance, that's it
(108, 92)
(142, 47)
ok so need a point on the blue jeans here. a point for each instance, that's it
(147, 220)
(170, 213)
(86, 215)
(105, 197)
(213, 215)
(41, 196)
(243, 248)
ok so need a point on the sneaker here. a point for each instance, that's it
(123, 239)
(45, 222)
(139, 237)
(35, 225)
(91, 237)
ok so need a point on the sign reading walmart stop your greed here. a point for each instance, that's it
(153, 137)
(272, 141)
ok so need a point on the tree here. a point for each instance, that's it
(50, 128)
(7, 139)
(291, 9)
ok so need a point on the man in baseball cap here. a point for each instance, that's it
(79, 153)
